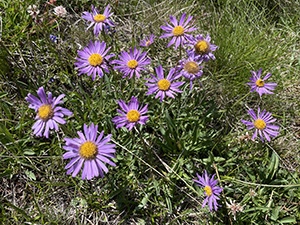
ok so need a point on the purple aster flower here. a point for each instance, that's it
(93, 59)
(89, 150)
(147, 41)
(163, 86)
(261, 124)
(259, 84)
(132, 62)
(190, 68)
(48, 113)
(99, 20)
(132, 115)
(211, 191)
(179, 31)
(202, 48)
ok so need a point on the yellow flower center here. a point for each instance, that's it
(178, 31)
(260, 83)
(148, 43)
(45, 112)
(260, 124)
(95, 59)
(191, 67)
(133, 115)
(208, 190)
(202, 47)
(132, 64)
(163, 85)
(99, 18)
(88, 150)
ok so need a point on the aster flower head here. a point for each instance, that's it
(98, 20)
(132, 62)
(259, 84)
(190, 68)
(131, 115)
(60, 11)
(89, 151)
(93, 59)
(201, 47)
(163, 86)
(178, 31)
(211, 191)
(48, 113)
(147, 41)
(262, 124)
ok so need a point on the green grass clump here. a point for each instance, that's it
(199, 130)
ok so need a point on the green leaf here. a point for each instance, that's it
(273, 166)
(170, 124)
(288, 220)
(30, 175)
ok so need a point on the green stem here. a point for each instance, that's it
(147, 152)
(161, 113)
(101, 95)
(132, 84)
(180, 48)
(104, 35)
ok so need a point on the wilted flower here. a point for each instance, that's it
(190, 68)
(33, 11)
(132, 62)
(234, 208)
(259, 84)
(93, 59)
(60, 11)
(179, 31)
(89, 150)
(163, 86)
(245, 137)
(132, 115)
(211, 191)
(99, 20)
(48, 113)
(262, 125)
(252, 192)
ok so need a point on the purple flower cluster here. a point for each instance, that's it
(263, 119)
(201, 48)
(92, 152)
